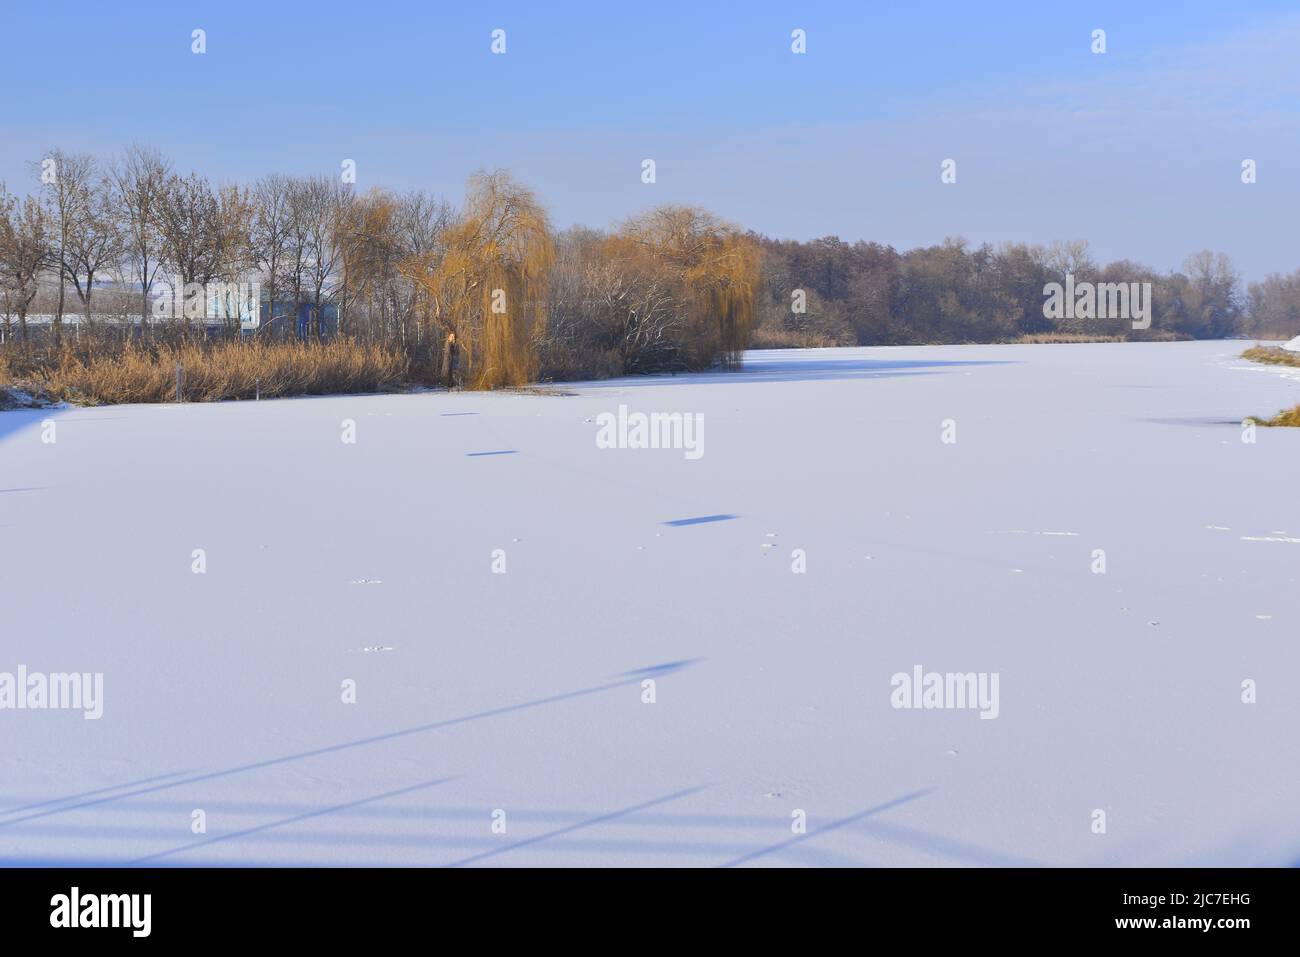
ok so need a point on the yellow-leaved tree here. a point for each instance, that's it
(720, 269)
(487, 284)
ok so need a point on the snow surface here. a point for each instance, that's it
(523, 691)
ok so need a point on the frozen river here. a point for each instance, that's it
(316, 650)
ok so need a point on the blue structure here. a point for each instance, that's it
(280, 319)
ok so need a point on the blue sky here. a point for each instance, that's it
(1138, 150)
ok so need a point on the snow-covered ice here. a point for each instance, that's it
(522, 692)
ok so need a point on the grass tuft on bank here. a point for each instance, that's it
(1287, 418)
(1277, 356)
(1272, 355)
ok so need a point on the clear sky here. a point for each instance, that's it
(1138, 150)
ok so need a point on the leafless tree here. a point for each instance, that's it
(317, 204)
(189, 222)
(95, 241)
(66, 185)
(269, 240)
(138, 179)
(26, 249)
(235, 256)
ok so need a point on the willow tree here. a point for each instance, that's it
(487, 283)
(371, 253)
(720, 270)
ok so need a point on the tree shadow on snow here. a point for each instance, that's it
(786, 366)
(100, 796)
(15, 420)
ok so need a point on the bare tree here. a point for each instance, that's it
(66, 180)
(269, 242)
(94, 243)
(235, 258)
(1212, 300)
(138, 179)
(367, 234)
(189, 223)
(26, 249)
(297, 259)
(422, 224)
(317, 204)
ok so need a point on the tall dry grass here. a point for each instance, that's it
(1275, 355)
(1272, 355)
(1287, 418)
(212, 372)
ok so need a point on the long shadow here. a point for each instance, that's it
(359, 743)
(570, 821)
(14, 420)
(555, 816)
(945, 846)
(666, 668)
(699, 520)
(612, 815)
(786, 368)
(1195, 420)
(589, 852)
(319, 812)
(83, 794)
(834, 825)
(562, 821)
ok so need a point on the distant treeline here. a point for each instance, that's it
(867, 294)
(491, 294)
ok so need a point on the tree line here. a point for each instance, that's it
(674, 288)
(491, 288)
(870, 294)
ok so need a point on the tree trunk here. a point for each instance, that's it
(144, 301)
(58, 314)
